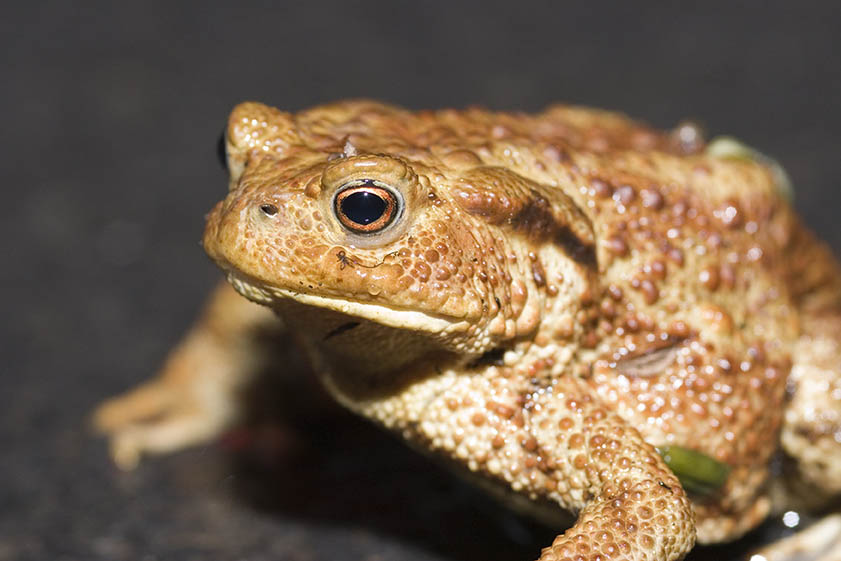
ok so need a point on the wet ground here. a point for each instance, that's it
(110, 115)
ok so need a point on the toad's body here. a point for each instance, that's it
(540, 299)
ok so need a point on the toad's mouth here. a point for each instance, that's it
(378, 313)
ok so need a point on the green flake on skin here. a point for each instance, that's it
(697, 472)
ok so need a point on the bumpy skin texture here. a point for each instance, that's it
(557, 294)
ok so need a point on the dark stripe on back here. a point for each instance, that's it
(537, 221)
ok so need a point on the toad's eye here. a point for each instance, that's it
(366, 207)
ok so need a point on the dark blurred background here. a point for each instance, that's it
(110, 115)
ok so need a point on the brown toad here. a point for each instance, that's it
(539, 299)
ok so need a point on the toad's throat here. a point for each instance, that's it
(361, 351)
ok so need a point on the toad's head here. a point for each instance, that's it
(353, 220)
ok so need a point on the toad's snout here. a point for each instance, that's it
(240, 234)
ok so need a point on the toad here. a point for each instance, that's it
(576, 309)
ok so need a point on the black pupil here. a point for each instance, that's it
(363, 207)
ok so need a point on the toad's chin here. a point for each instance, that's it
(393, 317)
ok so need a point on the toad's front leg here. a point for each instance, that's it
(630, 504)
(559, 443)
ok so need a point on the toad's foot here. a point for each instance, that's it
(156, 418)
(819, 542)
(194, 397)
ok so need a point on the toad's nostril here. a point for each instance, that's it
(268, 209)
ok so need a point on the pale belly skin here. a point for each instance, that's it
(539, 300)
